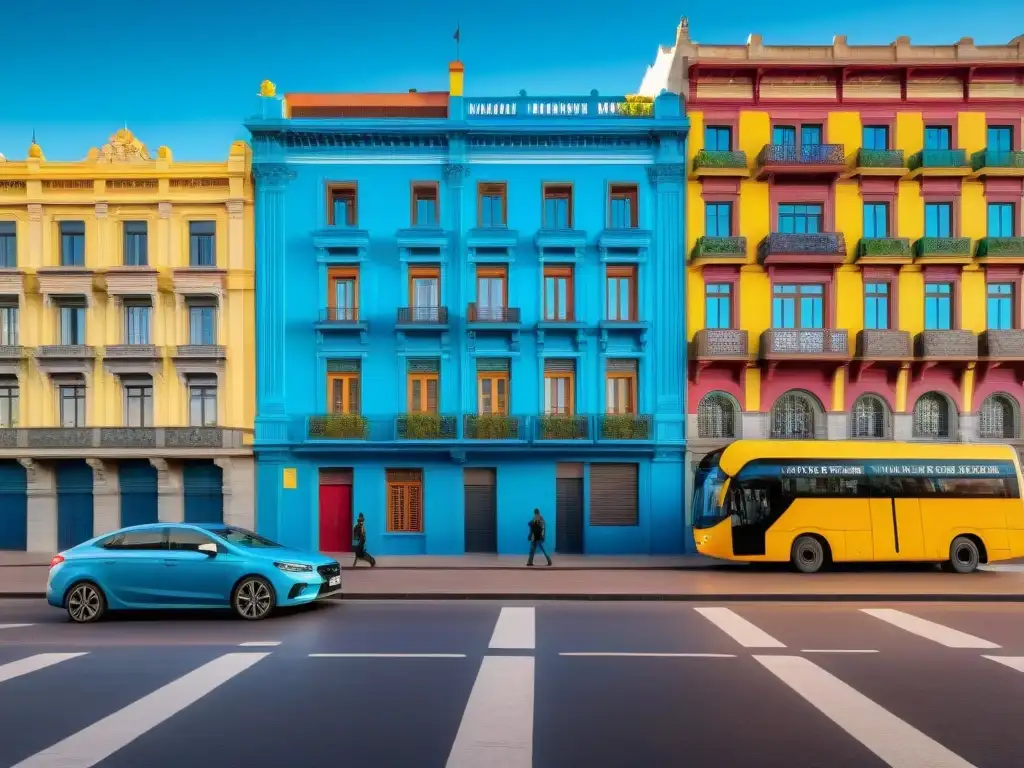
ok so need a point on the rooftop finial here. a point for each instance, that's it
(34, 136)
(683, 32)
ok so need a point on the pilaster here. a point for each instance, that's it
(42, 507)
(35, 235)
(455, 174)
(239, 473)
(170, 496)
(106, 497)
(753, 425)
(836, 425)
(902, 426)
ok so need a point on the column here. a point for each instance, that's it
(454, 176)
(271, 414)
(239, 474)
(42, 506)
(170, 497)
(106, 497)
(35, 235)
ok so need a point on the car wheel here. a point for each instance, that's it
(964, 555)
(85, 603)
(808, 555)
(253, 598)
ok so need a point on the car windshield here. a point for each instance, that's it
(244, 538)
(706, 487)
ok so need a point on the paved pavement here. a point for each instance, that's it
(501, 685)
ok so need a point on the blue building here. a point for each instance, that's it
(468, 308)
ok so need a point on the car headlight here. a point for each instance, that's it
(293, 567)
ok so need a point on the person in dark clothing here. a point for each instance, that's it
(359, 543)
(536, 537)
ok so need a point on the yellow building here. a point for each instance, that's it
(855, 231)
(126, 342)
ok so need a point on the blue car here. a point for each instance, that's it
(168, 565)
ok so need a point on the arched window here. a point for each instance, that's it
(869, 418)
(999, 418)
(796, 415)
(717, 413)
(932, 413)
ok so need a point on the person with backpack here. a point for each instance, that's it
(359, 543)
(536, 537)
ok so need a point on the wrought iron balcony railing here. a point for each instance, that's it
(805, 342)
(1001, 246)
(807, 154)
(478, 314)
(943, 246)
(938, 158)
(720, 159)
(720, 343)
(339, 315)
(423, 316)
(881, 158)
(816, 244)
(720, 247)
(875, 247)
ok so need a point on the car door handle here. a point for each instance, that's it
(170, 563)
(110, 562)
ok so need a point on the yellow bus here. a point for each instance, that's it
(813, 502)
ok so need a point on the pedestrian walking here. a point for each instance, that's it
(359, 543)
(536, 537)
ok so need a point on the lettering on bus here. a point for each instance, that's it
(821, 470)
(936, 470)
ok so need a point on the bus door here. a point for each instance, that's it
(753, 512)
(896, 530)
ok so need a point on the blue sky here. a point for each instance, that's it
(187, 76)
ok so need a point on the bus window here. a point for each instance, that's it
(706, 488)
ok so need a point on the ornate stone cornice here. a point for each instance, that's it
(666, 172)
(273, 174)
(455, 172)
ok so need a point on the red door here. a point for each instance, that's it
(335, 518)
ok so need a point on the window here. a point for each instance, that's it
(8, 325)
(1001, 219)
(557, 206)
(188, 540)
(938, 137)
(620, 387)
(875, 137)
(718, 138)
(136, 246)
(811, 135)
(559, 392)
(938, 219)
(716, 416)
(421, 389)
(342, 208)
(558, 294)
(136, 323)
(492, 204)
(152, 539)
(718, 219)
(876, 306)
(72, 324)
(138, 405)
(344, 391)
(998, 418)
(718, 305)
(405, 500)
(869, 418)
(801, 219)
(624, 207)
(932, 417)
(938, 306)
(784, 135)
(798, 306)
(795, 416)
(202, 402)
(620, 293)
(491, 293)
(202, 243)
(876, 220)
(1000, 306)
(999, 138)
(425, 294)
(72, 243)
(343, 294)
(202, 324)
(8, 245)
(71, 402)
(8, 402)
(424, 205)
(492, 392)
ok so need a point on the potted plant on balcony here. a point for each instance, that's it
(491, 426)
(624, 426)
(424, 426)
(338, 426)
(559, 427)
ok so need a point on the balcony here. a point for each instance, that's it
(562, 428)
(947, 345)
(65, 358)
(344, 321)
(947, 249)
(426, 426)
(625, 427)
(884, 250)
(66, 281)
(721, 344)
(422, 317)
(720, 250)
(199, 281)
(132, 358)
(131, 281)
(1002, 344)
(12, 282)
(793, 248)
(11, 357)
(493, 316)
(939, 162)
(880, 162)
(203, 352)
(712, 162)
(493, 426)
(182, 440)
(990, 162)
(345, 239)
(807, 160)
(1008, 249)
(884, 345)
(779, 344)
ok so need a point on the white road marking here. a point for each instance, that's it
(738, 628)
(1013, 662)
(15, 626)
(951, 638)
(32, 663)
(516, 629)
(105, 737)
(836, 650)
(497, 726)
(387, 655)
(657, 655)
(896, 742)
(260, 644)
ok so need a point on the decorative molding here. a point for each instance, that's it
(101, 210)
(123, 147)
(456, 172)
(666, 172)
(273, 174)
(235, 208)
(225, 465)
(164, 210)
(99, 470)
(31, 469)
(35, 212)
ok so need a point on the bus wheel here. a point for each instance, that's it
(808, 554)
(964, 555)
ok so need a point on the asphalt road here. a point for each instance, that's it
(490, 685)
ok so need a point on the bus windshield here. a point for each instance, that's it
(707, 485)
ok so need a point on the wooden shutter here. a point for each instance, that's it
(614, 491)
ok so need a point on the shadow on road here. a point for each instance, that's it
(203, 615)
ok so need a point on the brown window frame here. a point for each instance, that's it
(337, 275)
(404, 488)
(492, 189)
(347, 380)
(338, 189)
(631, 378)
(553, 191)
(425, 190)
(567, 272)
(615, 272)
(625, 191)
(420, 272)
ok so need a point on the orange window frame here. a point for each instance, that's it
(621, 272)
(425, 190)
(346, 190)
(558, 191)
(346, 379)
(416, 273)
(493, 273)
(342, 274)
(570, 389)
(405, 506)
(625, 191)
(424, 380)
(631, 379)
(491, 189)
(494, 378)
(551, 313)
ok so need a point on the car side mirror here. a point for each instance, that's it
(209, 549)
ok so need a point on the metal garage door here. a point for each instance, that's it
(139, 492)
(74, 503)
(203, 485)
(569, 509)
(614, 494)
(481, 513)
(13, 506)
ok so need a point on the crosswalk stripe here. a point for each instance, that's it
(738, 628)
(896, 742)
(1013, 662)
(33, 663)
(15, 626)
(497, 726)
(105, 737)
(516, 629)
(951, 638)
